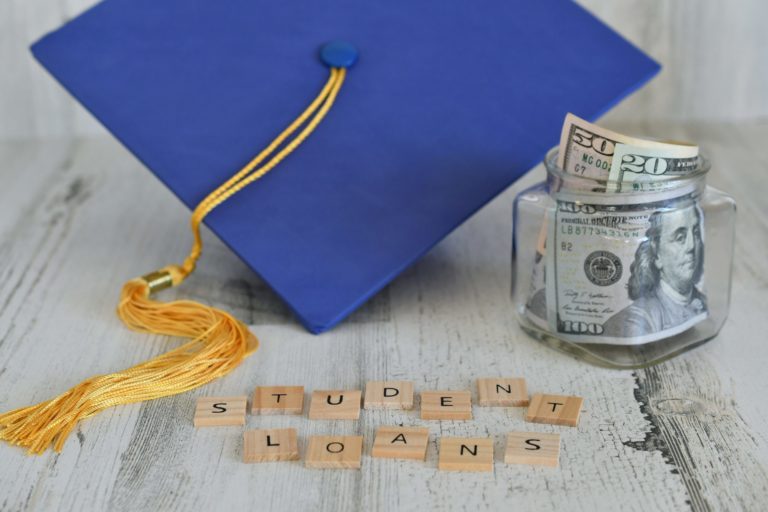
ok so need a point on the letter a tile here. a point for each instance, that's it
(555, 409)
(465, 454)
(502, 392)
(389, 395)
(278, 400)
(532, 448)
(270, 445)
(220, 411)
(335, 405)
(334, 452)
(401, 443)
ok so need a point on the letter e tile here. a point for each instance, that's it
(446, 405)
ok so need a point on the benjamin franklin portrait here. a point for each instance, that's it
(664, 276)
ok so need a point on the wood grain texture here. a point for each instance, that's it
(446, 405)
(220, 411)
(388, 394)
(696, 42)
(270, 445)
(334, 452)
(465, 454)
(335, 404)
(498, 392)
(400, 443)
(278, 400)
(554, 409)
(532, 448)
(714, 60)
(691, 433)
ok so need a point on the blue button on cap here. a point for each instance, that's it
(338, 54)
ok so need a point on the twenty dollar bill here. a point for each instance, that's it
(650, 169)
(587, 150)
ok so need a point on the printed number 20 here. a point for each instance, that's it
(639, 164)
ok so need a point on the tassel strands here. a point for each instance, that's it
(217, 344)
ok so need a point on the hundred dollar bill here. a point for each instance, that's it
(536, 303)
(649, 169)
(622, 275)
(587, 150)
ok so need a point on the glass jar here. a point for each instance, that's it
(626, 278)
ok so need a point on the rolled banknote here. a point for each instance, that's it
(621, 275)
(611, 272)
(587, 150)
(650, 169)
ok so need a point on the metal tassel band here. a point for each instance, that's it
(158, 280)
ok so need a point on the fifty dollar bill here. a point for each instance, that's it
(587, 150)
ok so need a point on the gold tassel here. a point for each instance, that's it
(218, 341)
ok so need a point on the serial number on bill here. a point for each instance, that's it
(600, 231)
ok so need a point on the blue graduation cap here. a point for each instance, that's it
(449, 103)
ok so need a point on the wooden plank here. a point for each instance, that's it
(691, 433)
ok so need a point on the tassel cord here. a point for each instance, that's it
(217, 344)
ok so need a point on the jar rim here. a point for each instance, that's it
(584, 183)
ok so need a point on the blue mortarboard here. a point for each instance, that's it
(449, 103)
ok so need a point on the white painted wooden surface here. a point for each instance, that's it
(80, 217)
(714, 53)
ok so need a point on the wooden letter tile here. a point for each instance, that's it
(502, 392)
(446, 405)
(401, 443)
(336, 452)
(270, 445)
(554, 409)
(220, 411)
(465, 454)
(335, 405)
(532, 448)
(278, 400)
(389, 395)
